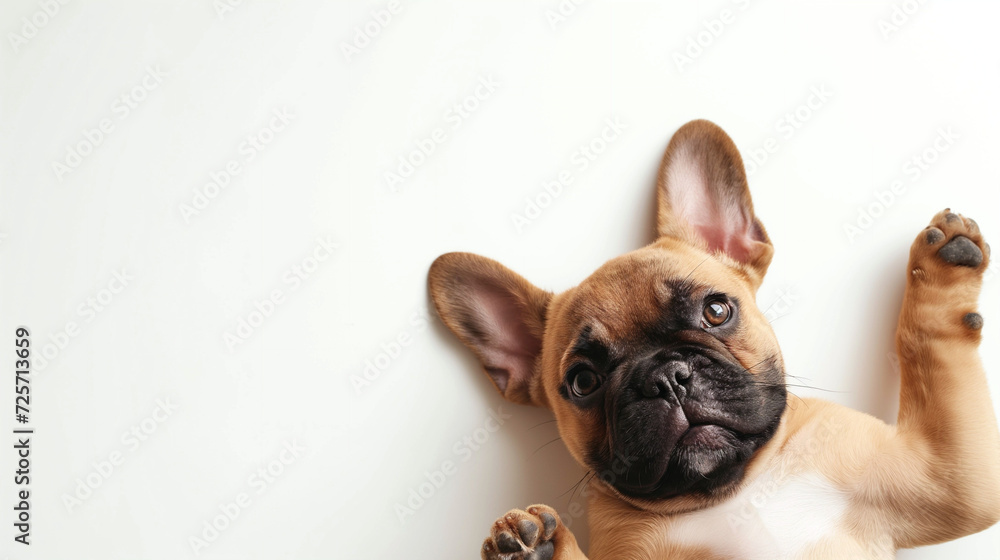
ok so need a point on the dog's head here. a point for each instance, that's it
(659, 367)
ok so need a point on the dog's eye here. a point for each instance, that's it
(584, 382)
(716, 313)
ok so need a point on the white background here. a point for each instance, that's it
(294, 378)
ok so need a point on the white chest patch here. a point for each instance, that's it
(774, 518)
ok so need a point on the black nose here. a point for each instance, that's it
(666, 379)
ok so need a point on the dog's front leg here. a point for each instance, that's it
(942, 479)
(535, 533)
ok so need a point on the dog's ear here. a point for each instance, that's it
(499, 315)
(703, 198)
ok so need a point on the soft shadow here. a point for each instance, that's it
(651, 210)
(881, 399)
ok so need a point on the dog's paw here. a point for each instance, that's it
(524, 535)
(952, 243)
(947, 262)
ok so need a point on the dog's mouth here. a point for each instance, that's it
(701, 456)
(684, 450)
(706, 436)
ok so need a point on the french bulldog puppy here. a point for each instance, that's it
(666, 380)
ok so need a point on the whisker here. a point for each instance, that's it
(770, 384)
(547, 444)
(593, 475)
(748, 370)
(767, 384)
(688, 277)
(587, 480)
(816, 388)
(572, 488)
(542, 424)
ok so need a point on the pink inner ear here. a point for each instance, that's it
(720, 220)
(510, 348)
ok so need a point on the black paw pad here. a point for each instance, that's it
(951, 217)
(973, 320)
(550, 524)
(933, 235)
(544, 551)
(528, 531)
(507, 543)
(961, 251)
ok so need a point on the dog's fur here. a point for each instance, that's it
(701, 453)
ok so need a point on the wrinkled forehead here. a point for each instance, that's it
(639, 287)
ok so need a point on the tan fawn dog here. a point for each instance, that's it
(665, 377)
